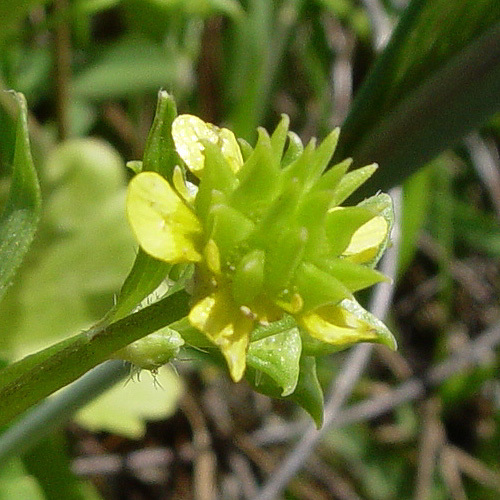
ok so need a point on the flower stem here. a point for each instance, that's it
(31, 379)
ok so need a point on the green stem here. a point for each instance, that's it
(50, 414)
(28, 381)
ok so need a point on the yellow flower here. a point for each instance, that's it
(266, 235)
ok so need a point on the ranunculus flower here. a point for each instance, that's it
(266, 234)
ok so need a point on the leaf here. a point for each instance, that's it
(160, 156)
(16, 483)
(441, 66)
(125, 408)
(83, 250)
(19, 219)
(130, 66)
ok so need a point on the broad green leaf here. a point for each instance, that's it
(125, 408)
(15, 482)
(438, 78)
(278, 356)
(83, 250)
(19, 220)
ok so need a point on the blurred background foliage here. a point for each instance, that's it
(91, 70)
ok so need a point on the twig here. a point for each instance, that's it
(432, 440)
(451, 474)
(204, 460)
(337, 485)
(381, 23)
(111, 464)
(475, 469)
(346, 380)
(461, 272)
(486, 161)
(342, 41)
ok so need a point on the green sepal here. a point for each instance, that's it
(380, 204)
(259, 180)
(341, 224)
(351, 181)
(217, 176)
(322, 156)
(293, 151)
(228, 227)
(278, 138)
(354, 276)
(248, 277)
(246, 149)
(283, 258)
(330, 179)
(278, 356)
(317, 287)
(308, 393)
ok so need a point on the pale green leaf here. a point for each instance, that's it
(126, 408)
(19, 220)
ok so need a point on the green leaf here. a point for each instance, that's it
(19, 220)
(278, 356)
(438, 78)
(130, 66)
(160, 156)
(82, 252)
(16, 483)
(125, 408)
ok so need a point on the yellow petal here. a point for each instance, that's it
(181, 186)
(226, 326)
(366, 240)
(345, 324)
(188, 131)
(163, 225)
